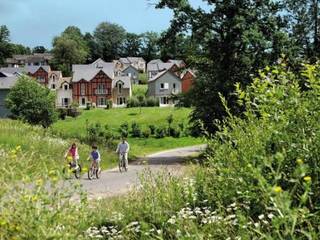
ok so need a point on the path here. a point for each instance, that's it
(113, 183)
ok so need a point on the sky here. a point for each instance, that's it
(36, 22)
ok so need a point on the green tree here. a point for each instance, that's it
(20, 49)
(69, 48)
(39, 49)
(93, 48)
(235, 39)
(110, 39)
(132, 45)
(304, 27)
(150, 46)
(31, 102)
(5, 47)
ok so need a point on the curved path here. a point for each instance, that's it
(113, 183)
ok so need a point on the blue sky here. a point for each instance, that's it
(36, 22)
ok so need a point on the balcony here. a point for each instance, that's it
(101, 91)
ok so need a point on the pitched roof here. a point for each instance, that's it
(154, 61)
(26, 69)
(162, 73)
(176, 61)
(8, 82)
(130, 60)
(89, 71)
(130, 66)
(156, 67)
(125, 79)
(64, 80)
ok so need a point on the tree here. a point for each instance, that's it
(93, 48)
(109, 38)
(39, 49)
(5, 47)
(132, 45)
(304, 27)
(235, 39)
(69, 48)
(20, 49)
(150, 46)
(31, 102)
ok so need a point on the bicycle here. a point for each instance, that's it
(94, 170)
(72, 168)
(122, 163)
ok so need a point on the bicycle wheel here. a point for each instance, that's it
(98, 173)
(90, 173)
(66, 172)
(77, 172)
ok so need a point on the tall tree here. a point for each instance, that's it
(109, 38)
(69, 48)
(5, 47)
(93, 48)
(304, 19)
(236, 39)
(132, 45)
(150, 46)
(39, 49)
(20, 49)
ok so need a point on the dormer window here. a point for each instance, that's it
(66, 87)
(119, 86)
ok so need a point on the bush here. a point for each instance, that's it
(133, 102)
(109, 104)
(146, 133)
(31, 102)
(62, 113)
(160, 132)
(136, 130)
(174, 132)
(152, 102)
(152, 129)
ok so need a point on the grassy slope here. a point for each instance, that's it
(72, 128)
(44, 153)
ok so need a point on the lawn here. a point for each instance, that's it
(76, 127)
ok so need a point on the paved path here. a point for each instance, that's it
(113, 183)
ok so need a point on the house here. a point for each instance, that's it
(157, 66)
(179, 63)
(137, 62)
(53, 80)
(41, 73)
(163, 86)
(63, 92)
(92, 83)
(121, 91)
(132, 72)
(36, 59)
(7, 81)
(187, 79)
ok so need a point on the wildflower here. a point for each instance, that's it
(277, 189)
(52, 172)
(261, 216)
(13, 152)
(18, 148)
(270, 215)
(299, 161)
(39, 182)
(34, 198)
(307, 178)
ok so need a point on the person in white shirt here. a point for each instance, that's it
(123, 150)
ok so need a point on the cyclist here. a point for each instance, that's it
(95, 157)
(123, 150)
(72, 155)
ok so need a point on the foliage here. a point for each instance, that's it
(39, 49)
(69, 48)
(132, 45)
(152, 129)
(109, 38)
(146, 133)
(4, 43)
(139, 90)
(160, 132)
(31, 102)
(136, 130)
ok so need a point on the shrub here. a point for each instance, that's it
(136, 130)
(31, 102)
(152, 129)
(62, 112)
(146, 133)
(109, 104)
(174, 132)
(152, 102)
(124, 126)
(133, 102)
(160, 132)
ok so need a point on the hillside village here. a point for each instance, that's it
(99, 83)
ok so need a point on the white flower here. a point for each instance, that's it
(261, 216)
(270, 216)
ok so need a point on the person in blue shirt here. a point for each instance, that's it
(95, 157)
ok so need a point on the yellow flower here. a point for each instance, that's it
(277, 189)
(18, 148)
(34, 198)
(39, 182)
(54, 179)
(3, 222)
(52, 172)
(299, 161)
(13, 151)
(307, 178)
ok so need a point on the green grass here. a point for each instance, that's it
(139, 90)
(76, 128)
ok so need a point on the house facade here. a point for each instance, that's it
(7, 81)
(137, 62)
(64, 92)
(187, 80)
(131, 72)
(92, 83)
(121, 91)
(163, 86)
(156, 68)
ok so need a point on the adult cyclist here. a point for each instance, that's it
(123, 150)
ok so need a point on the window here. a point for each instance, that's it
(83, 89)
(102, 101)
(53, 86)
(174, 86)
(65, 102)
(121, 100)
(66, 87)
(101, 89)
(164, 100)
(83, 101)
(164, 86)
(119, 86)
(53, 78)
(41, 79)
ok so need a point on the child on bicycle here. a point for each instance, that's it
(95, 157)
(72, 155)
(123, 150)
